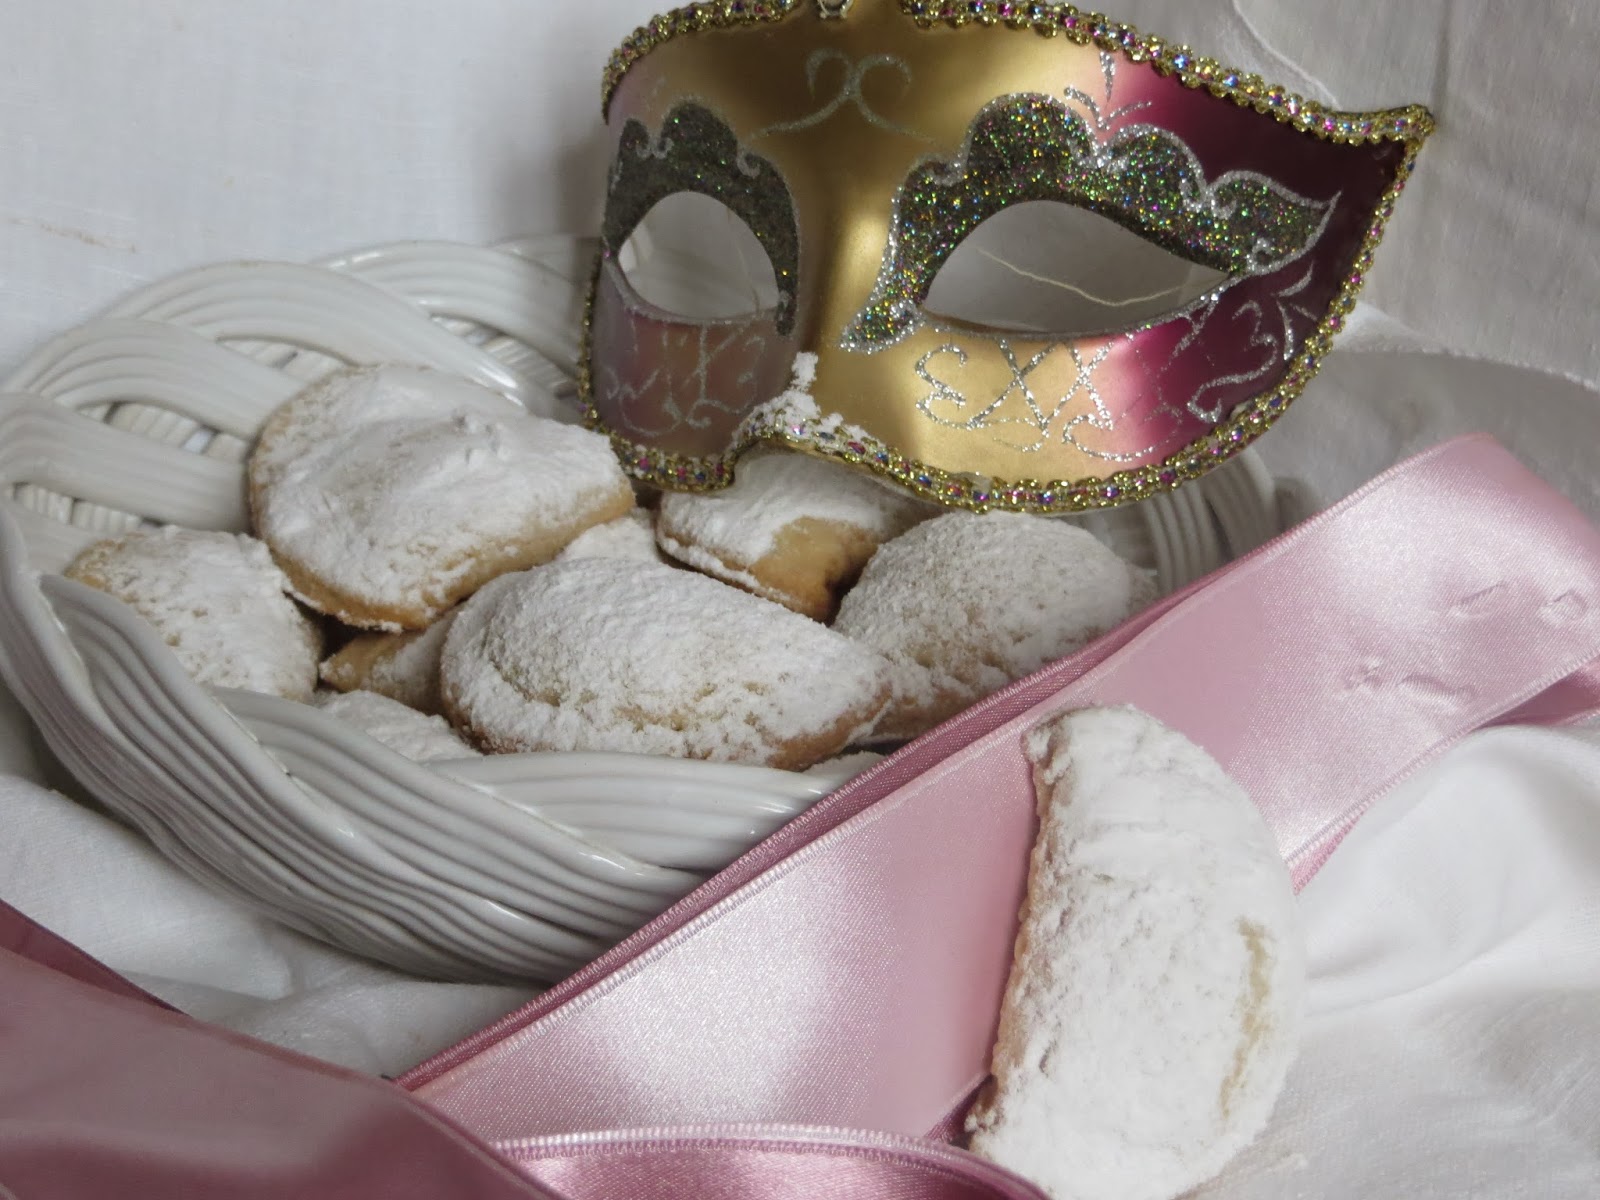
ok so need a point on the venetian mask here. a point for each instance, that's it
(864, 141)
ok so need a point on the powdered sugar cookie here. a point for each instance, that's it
(415, 735)
(1156, 1000)
(965, 604)
(401, 666)
(632, 536)
(793, 529)
(604, 654)
(390, 494)
(218, 600)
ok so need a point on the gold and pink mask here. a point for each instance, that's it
(863, 141)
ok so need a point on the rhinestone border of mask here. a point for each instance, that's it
(1412, 124)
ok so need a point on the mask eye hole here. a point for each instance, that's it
(1044, 267)
(694, 258)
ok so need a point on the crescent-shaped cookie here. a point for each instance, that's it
(637, 657)
(1156, 1000)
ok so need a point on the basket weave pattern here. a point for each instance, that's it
(521, 868)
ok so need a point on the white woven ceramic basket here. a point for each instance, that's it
(516, 867)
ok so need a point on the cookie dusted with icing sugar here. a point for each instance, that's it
(966, 604)
(390, 494)
(407, 732)
(218, 600)
(607, 654)
(632, 536)
(1157, 996)
(401, 666)
(792, 529)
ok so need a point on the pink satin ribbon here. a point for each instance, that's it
(106, 1092)
(761, 1163)
(849, 971)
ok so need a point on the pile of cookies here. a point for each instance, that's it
(454, 575)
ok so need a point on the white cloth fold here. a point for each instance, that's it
(103, 888)
(1454, 1046)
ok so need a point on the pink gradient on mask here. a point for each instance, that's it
(680, 385)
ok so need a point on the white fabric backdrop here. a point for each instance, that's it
(1455, 940)
(137, 140)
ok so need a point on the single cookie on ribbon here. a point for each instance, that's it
(1156, 1000)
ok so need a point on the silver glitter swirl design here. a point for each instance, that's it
(665, 402)
(1278, 341)
(1021, 420)
(1018, 418)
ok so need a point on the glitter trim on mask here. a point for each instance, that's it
(1031, 147)
(697, 152)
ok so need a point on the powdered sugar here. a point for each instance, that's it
(1155, 1005)
(407, 732)
(771, 491)
(708, 563)
(218, 600)
(965, 604)
(601, 654)
(401, 666)
(805, 372)
(798, 407)
(629, 537)
(392, 487)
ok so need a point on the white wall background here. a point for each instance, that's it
(139, 139)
